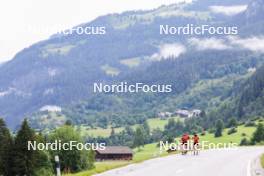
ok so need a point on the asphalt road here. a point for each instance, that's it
(232, 162)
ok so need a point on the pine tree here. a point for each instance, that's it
(219, 128)
(23, 159)
(139, 137)
(113, 139)
(146, 132)
(112, 131)
(146, 128)
(43, 165)
(258, 135)
(5, 149)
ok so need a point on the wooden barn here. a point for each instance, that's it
(114, 153)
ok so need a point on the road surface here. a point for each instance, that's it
(232, 162)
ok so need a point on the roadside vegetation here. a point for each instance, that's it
(150, 151)
(17, 159)
(262, 160)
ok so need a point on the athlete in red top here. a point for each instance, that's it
(195, 139)
(185, 138)
(184, 141)
(195, 143)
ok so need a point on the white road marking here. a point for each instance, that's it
(249, 168)
(179, 171)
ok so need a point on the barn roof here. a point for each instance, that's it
(115, 150)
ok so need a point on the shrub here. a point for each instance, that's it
(219, 128)
(232, 123)
(255, 118)
(242, 123)
(231, 131)
(44, 172)
(243, 134)
(250, 124)
(211, 131)
(244, 142)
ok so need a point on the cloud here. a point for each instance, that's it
(51, 108)
(4, 93)
(255, 44)
(228, 10)
(168, 51)
(208, 44)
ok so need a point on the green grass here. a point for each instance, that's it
(153, 123)
(87, 131)
(234, 138)
(262, 160)
(101, 167)
(159, 123)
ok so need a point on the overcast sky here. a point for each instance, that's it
(18, 18)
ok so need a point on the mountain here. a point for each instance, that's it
(252, 18)
(251, 100)
(60, 72)
(255, 10)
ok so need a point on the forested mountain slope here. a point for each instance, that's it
(61, 71)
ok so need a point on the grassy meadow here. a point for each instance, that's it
(153, 123)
